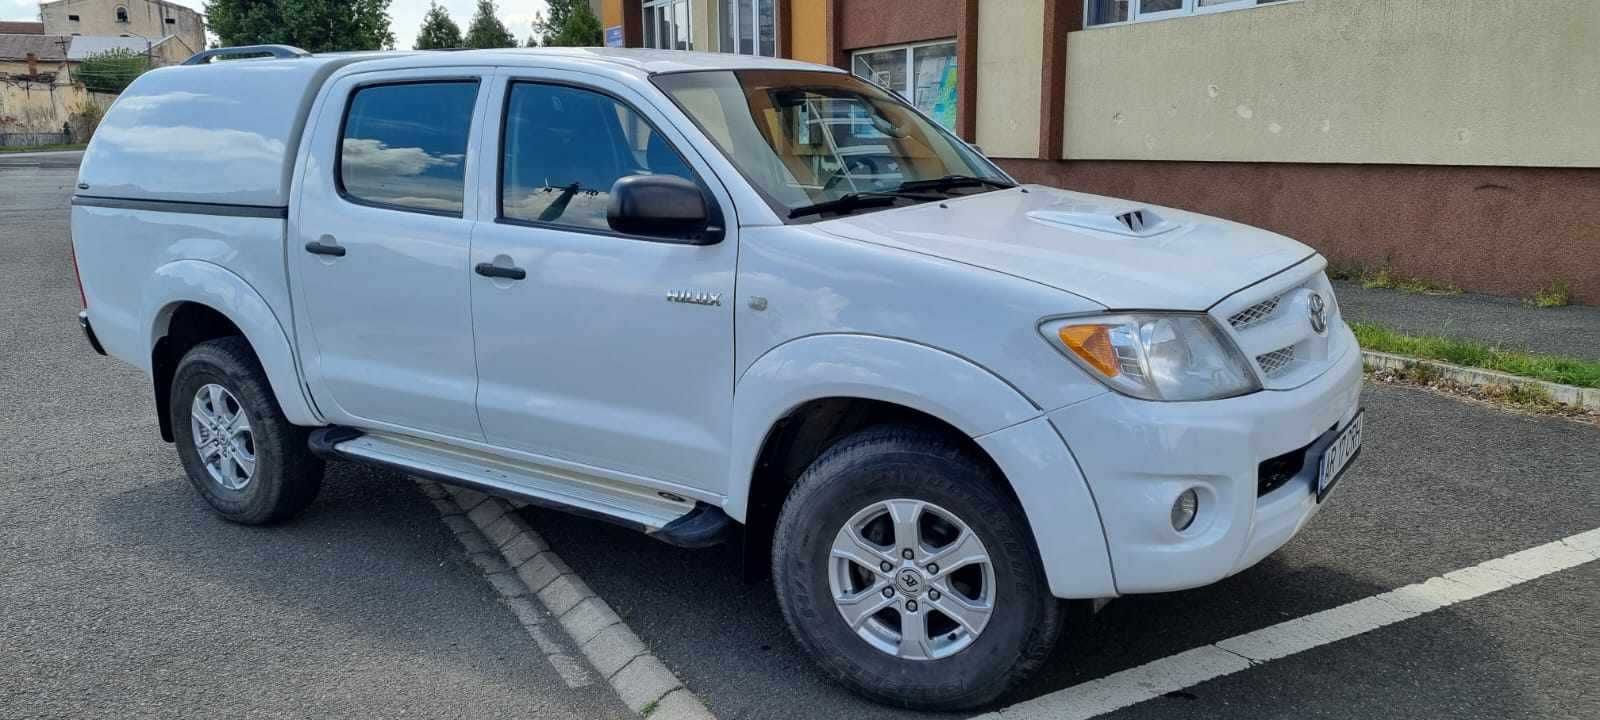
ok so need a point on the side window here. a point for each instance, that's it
(405, 145)
(564, 147)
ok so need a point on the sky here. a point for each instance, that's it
(405, 15)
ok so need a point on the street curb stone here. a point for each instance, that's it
(528, 575)
(1568, 394)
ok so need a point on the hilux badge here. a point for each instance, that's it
(1317, 306)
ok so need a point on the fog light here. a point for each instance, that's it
(1184, 509)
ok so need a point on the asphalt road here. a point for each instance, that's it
(122, 595)
(1573, 330)
(1441, 485)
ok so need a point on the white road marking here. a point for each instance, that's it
(1186, 669)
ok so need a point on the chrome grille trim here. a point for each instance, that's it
(1255, 313)
(1277, 361)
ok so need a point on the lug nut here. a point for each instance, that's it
(933, 568)
(888, 592)
(911, 606)
(886, 566)
(933, 594)
(907, 554)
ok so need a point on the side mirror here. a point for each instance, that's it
(663, 206)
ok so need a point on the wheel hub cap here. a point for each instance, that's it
(223, 437)
(912, 579)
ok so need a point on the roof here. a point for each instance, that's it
(47, 48)
(21, 27)
(84, 46)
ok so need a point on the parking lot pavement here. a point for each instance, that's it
(122, 595)
(1573, 330)
(1440, 485)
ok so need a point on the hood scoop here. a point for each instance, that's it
(1131, 222)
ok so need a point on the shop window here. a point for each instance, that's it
(923, 74)
(750, 27)
(666, 25)
(1107, 12)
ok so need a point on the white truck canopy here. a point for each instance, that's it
(225, 133)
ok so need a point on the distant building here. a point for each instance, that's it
(22, 27)
(150, 19)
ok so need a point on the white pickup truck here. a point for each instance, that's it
(664, 289)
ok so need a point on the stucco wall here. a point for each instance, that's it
(1452, 82)
(145, 17)
(808, 31)
(1010, 60)
(33, 107)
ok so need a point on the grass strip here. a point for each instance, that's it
(1471, 353)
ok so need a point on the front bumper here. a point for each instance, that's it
(1138, 456)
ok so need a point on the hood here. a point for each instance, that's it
(1121, 254)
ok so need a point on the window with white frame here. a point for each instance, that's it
(1107, 12)
(924, 74)
(666, 25)
(750, 27)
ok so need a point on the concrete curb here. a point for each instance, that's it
(1568, 394)
(525, 571)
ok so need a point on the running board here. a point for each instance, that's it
(669, 519)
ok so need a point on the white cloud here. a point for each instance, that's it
(405, 15)
(375, 157)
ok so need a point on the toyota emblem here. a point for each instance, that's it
(1317, 307)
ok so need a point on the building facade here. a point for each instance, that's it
(149, 19)
(1447, 140)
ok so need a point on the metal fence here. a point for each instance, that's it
(34, 139)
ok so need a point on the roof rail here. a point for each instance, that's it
(282, 52)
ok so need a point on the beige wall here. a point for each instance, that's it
(703, 25)
(30, 107)
(1010, 60)
(1451, 82)
(145, 17)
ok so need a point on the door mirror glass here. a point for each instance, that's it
(664, 206)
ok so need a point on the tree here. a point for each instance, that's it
(314, 25)
(112, 70)
(486, 30)
(438, 30)
(571, 24)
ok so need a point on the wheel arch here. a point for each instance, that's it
(191, 302)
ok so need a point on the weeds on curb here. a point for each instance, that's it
(1391, 280)
(1556, 294)
(650, 708)
(1517, 398)
(1471, 353)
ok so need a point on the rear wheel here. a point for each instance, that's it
(909, 574)
(238, 450)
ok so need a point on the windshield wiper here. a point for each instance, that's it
(856, 201)
(951, 182)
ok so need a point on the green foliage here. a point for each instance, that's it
(112, 70)
(1551, 368)
(486, 30)
(570, 24)
(438, 30)
(1556, 294)
(1389, 279)
(314, 25)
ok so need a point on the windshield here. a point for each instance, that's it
(805, 138)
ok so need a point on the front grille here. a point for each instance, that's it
(1277, 361)
(1254, 314)
(1279, 470)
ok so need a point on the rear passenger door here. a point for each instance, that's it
(379, 242)
(584, 361)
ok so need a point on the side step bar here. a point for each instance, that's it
(703, 526)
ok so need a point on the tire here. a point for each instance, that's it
(854, 481)
(285, 477)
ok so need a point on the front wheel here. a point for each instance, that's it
(910, 575)
(240, 453)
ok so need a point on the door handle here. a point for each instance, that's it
(500, 271)
(326, 246)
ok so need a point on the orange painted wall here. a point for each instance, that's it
(808, 31)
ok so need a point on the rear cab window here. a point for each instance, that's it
(404, 145)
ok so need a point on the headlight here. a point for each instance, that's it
(1155, 356)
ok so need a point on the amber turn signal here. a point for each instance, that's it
(1093, 344)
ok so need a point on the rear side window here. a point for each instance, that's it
(405, 145)
(564, 147)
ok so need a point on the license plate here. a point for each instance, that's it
(1337, 457)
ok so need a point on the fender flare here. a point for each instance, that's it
(869, 367)
(218, 288)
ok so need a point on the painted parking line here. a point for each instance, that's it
(1192, 667)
